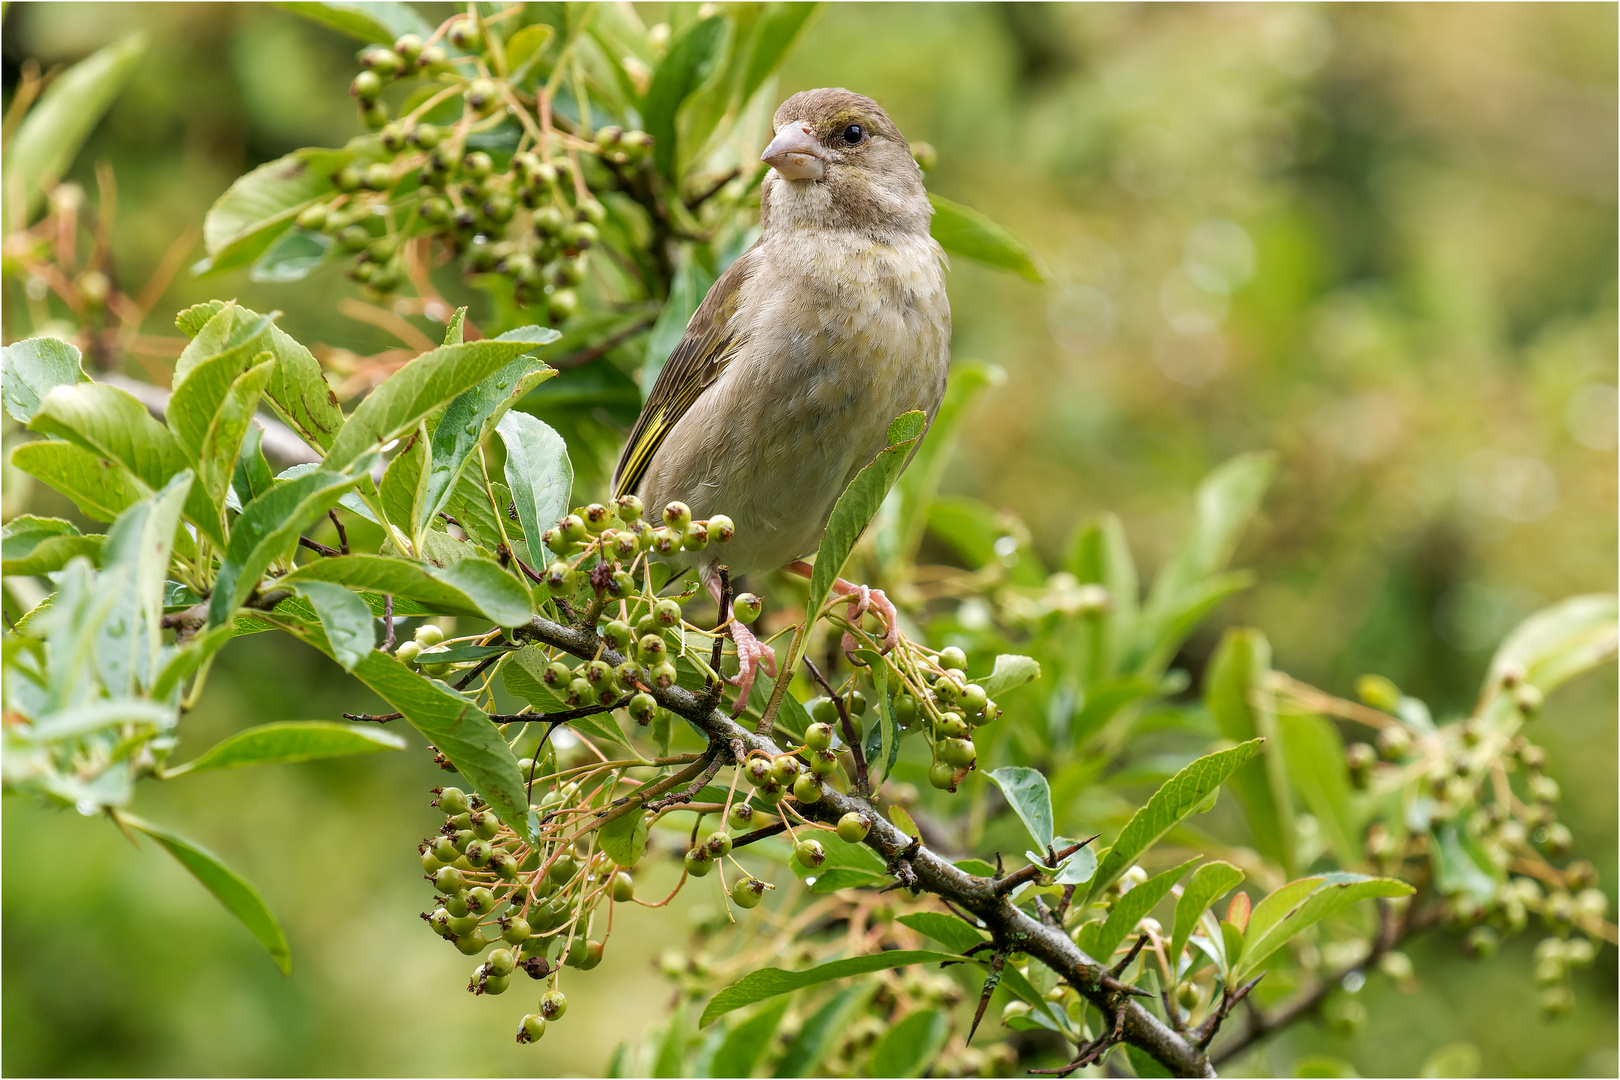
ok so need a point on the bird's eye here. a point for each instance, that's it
(854, 133)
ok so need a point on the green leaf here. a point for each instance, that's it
(261, 205)
(299, 394)
(1559, 642)
(948, 930)
(1304, 903)
(1029, 796)
(540, 476)
(251, 477)
(345, 619)
(1077, 868)
(1010, 672)
(883, 740)
(100, 487)
(404, 485)
(525, 47)
(625, 838)
(1314, 754)
(381, 22)
(44, 145)
(970, 234)
(819, 1034)
(111, 423)
(1133, 907)
(687, 288)
(295, 254)
(1144, 1064)
(859, 504)
(770, 981)
(1170, 805)
(689, 62)
(265, 531)
(1209, 883)
(467, 421)
(289, 741)
(744, 1044)
(1226, 500)
(460, 730)
(1099, 555)
(139, 547)
(1233, 683)
(239, 898)
(473, 587)
(901, 533)
(416, 390)
(222, 441)
(1462, 866)
(192, 656)
(779, 28)
(908, 1048)
(600, 726)
(191, 321)
(33, 545)
(228, 340)
(32, 368)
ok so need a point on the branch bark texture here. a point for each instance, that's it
(1010, 927)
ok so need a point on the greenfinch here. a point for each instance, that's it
(834, 323)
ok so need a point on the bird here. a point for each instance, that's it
(831, 325)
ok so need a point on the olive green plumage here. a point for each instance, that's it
(830, 326)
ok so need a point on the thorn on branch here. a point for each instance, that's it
(1119, 969)
(343, 534)
(319, 549)
(373, 718)
(992, 979)
(1207, 1031)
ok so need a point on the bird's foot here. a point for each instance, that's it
(863, 599)
(752, 654)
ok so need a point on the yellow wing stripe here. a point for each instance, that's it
(640, 456)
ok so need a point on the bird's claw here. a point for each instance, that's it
(862, 599)
(752, 654)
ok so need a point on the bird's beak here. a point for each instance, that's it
(796, 154)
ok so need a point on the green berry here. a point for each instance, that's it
(718, 843)
(516, 931)
(853, 827)
(484, 824)
(431, 862)
(663, 675)
(741, 817)
(563, 870)
(942, 776)
(677, 515)
(905, 711)
(784, 770)
(696, 537)
(496, 984)
(562, 305)
(366, 86)
(823, 762)
(440, 922)
(950, 725)
(624, 887)
(856, 703)
(667, 613)
(643, 707)
(758, 771)
(823, 710)
(476, 165)
(532, 1028)
(617, 634)
(353, 238)
(428, 635)
(721, 529)
(471, 944)
(444, 849)
(464, 34)
(952, 658)
(449, 880)
(819, 736)
(504, 865)
(480, 899)
(553, 1004)
(973, 698)
(809, 853)
(501, 962)
(409, 47)
(479, 853)
(699, 862)
(958, 753)
(463, 925)
(456, 905)
(432, 58)
(651, 648)
(747, 892)
(560, 579)
(593, 956)
(312, 217)
(579, 236)
(746, 607)
(807, 788)
(426, 136)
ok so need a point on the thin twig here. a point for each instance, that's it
(863, 785)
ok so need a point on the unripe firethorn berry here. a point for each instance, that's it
(952, 658)
(501, 962)
(677, 515)
(823, 710)
(449, 880)
(480, 900)
(807, 788)
(464, 34)
(747, 892)
(942, 776)
(741, 817)
(809, 853)
(667, 613)
(853, 827)
(444, 849)
(479, 852)
(484, 824)
(746, 607)
(758, 771)
(553, 1004)
(532, 1029)
(959, 753)
(818, 736)
(784, 770)
(624, 887)
(721, 529)
(516, 931)
(366, 86)
(563, 870)
(699, 862)
(718, 843)
(470, 944)
(642, 708)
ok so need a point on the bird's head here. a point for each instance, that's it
(838, 161)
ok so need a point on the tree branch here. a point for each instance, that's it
(1008, 925)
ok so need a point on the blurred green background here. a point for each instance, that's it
(1379, 239)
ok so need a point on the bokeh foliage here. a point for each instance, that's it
(1378, 241)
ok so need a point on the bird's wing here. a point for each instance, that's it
(712, 339)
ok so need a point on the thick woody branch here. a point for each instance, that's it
(1010, 927)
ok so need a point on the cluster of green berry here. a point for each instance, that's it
(953, 707)
(597, 536)
(509, 196)
(1458, 766)
(532, 903)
